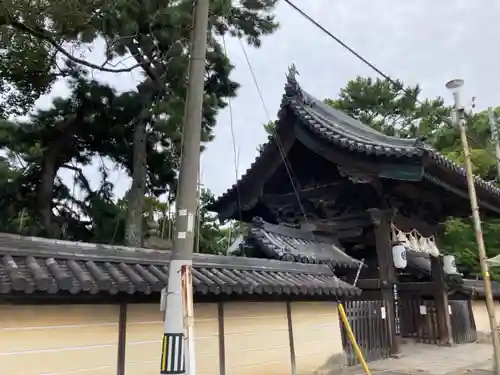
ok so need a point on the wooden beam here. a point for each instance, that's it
(337, 224)
(414, 286)
(381, 221)
(417, 286)
(122, 339)
(291, 343)
(373, 284)
(441, 299)
(222, 339)
(348, 234)
(323, 192)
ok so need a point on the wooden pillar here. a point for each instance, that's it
(290, 337)
(381, 220)
(441, 300)
(222, 339)
(122, 339)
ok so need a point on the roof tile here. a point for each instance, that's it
(29, 265)
(343, 131)
(477, 287)
(290, 244)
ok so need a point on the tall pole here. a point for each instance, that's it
(494, 138)
(178, 340)
(460, 121)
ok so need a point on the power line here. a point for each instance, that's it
(233, 138)
(286, 163)
(283, 155)
(339, 41)
(374, 67)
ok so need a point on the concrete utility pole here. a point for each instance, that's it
(494, 138)
(459, 121)
(178, 340)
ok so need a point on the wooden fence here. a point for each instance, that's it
(463, 326)
(371, 329)
(419, 320)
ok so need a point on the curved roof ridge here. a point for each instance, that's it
(294, 91)
(299, 245)
(341, 130)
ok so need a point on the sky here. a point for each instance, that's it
(425, 42)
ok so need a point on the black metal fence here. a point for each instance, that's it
(370, 326)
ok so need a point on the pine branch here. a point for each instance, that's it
(44, 35)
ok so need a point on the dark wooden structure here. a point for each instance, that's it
(370, 329)
(330, 175)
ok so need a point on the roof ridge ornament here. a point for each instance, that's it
(292, 72)
(292, 88)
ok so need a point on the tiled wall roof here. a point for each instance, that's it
(30, 265)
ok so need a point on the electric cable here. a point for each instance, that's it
(281, 150)
(379, 71)
(286, 162)
(233, 138)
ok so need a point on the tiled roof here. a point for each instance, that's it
(419, 262)
(290, 244)
(476, 287)
(458, 169)
(29, 265)
(343, 131)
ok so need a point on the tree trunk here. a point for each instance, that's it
(44, 194)
(133, 230)
(50, 166)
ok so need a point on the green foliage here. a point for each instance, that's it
(48, 40)
(269, 129)
(460, 240)
(212, 238)
(389, 108)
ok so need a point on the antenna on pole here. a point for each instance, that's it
(459, 120)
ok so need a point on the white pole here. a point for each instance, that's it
(175, 353)
(187, 291)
